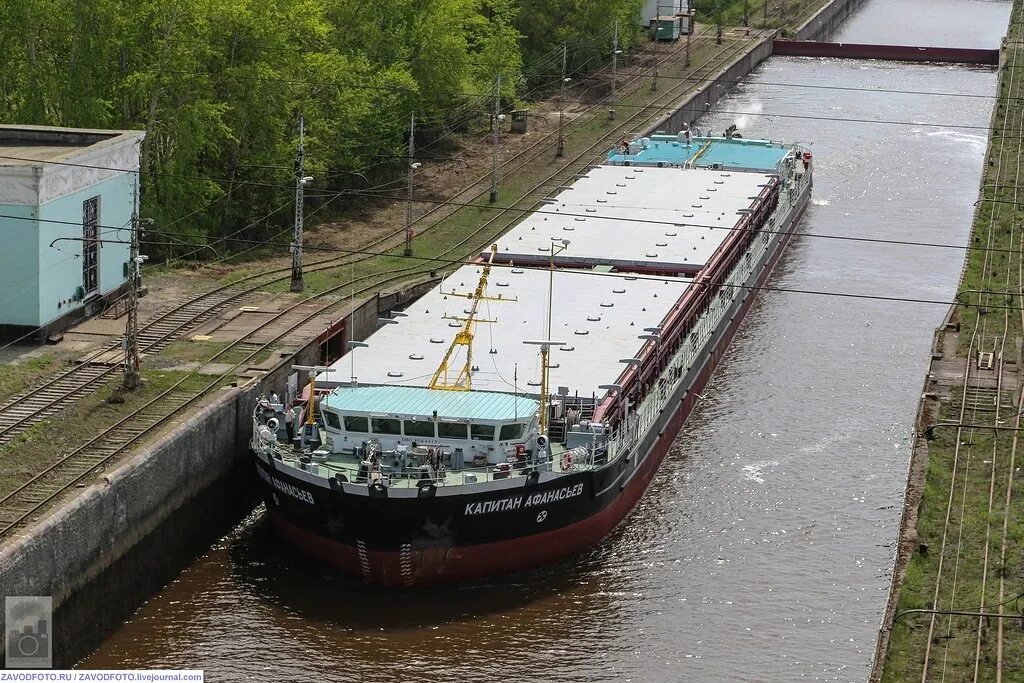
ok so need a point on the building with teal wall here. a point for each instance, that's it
(66, 202)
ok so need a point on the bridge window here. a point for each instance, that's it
(386, 425)
(512, 431)
(354, 423)
(451, 430)
(418, 428)
(481, 432)
(332, 419)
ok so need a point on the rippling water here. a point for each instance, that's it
(761, 551)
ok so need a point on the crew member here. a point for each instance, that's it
(289, 421)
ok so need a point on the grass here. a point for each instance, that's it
(46, 442)
(445, 238)
(955, 638)
(995, 221)
(16, 377)
(982, 463)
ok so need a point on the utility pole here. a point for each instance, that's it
(689, 31)
(132, 379)
(408, 200)
(495, 131)
(561, 107)
(615, 69)
(300, 182)
(657, 41)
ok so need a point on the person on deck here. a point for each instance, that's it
(289, 422)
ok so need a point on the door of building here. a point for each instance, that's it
(90, 245)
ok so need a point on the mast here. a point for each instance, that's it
(463, 381)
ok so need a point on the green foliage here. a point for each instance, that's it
(218, 86)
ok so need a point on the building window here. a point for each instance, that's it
(418, 428)
(512, 431)
(386, 425)
(90, 245)
(481, 432)
(354, 423)
(451, 430)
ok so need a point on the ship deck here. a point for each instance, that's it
(348, 464)
(628, 243)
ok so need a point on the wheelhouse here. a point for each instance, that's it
(468, 427)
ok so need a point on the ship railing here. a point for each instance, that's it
(409, 477)
(264, 440)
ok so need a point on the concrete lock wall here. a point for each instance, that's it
(699, 103)
(82, 542)
(106, 551)
(825, 22)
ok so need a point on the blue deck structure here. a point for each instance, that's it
(702, 152)
(66, 201)
(396, 400)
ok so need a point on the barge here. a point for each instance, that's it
(514, 415)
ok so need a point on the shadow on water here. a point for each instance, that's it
(267, 568)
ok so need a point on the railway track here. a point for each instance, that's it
(23, 411)
(18, 507)
(958, 584)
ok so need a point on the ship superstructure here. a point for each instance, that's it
(515, 413)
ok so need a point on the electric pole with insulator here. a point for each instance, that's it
(615, 69)
(561, 107)
(132, 378)
(689, 32)
(495, 132)
(657, 40)
(408, 199)
(300, 183)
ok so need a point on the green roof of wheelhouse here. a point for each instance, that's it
(390, 401)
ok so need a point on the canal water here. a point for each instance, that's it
(762, 550)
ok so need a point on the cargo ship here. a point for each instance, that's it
(513, 415)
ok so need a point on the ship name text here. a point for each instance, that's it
(286, 488)
(523, 501)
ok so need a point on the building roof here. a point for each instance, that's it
(39, 164)
(29, 145)
(664, 219)
(598, 316)
(389, 401)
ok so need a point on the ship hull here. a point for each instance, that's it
(409, 540)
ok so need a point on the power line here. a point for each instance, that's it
(590, 216)
(640, 276)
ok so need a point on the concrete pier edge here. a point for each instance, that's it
(103, 553)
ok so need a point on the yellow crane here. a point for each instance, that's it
(463, 381)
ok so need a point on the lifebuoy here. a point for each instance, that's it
(566, 461)
(273, 424)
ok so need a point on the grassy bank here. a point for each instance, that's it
(970, 523)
